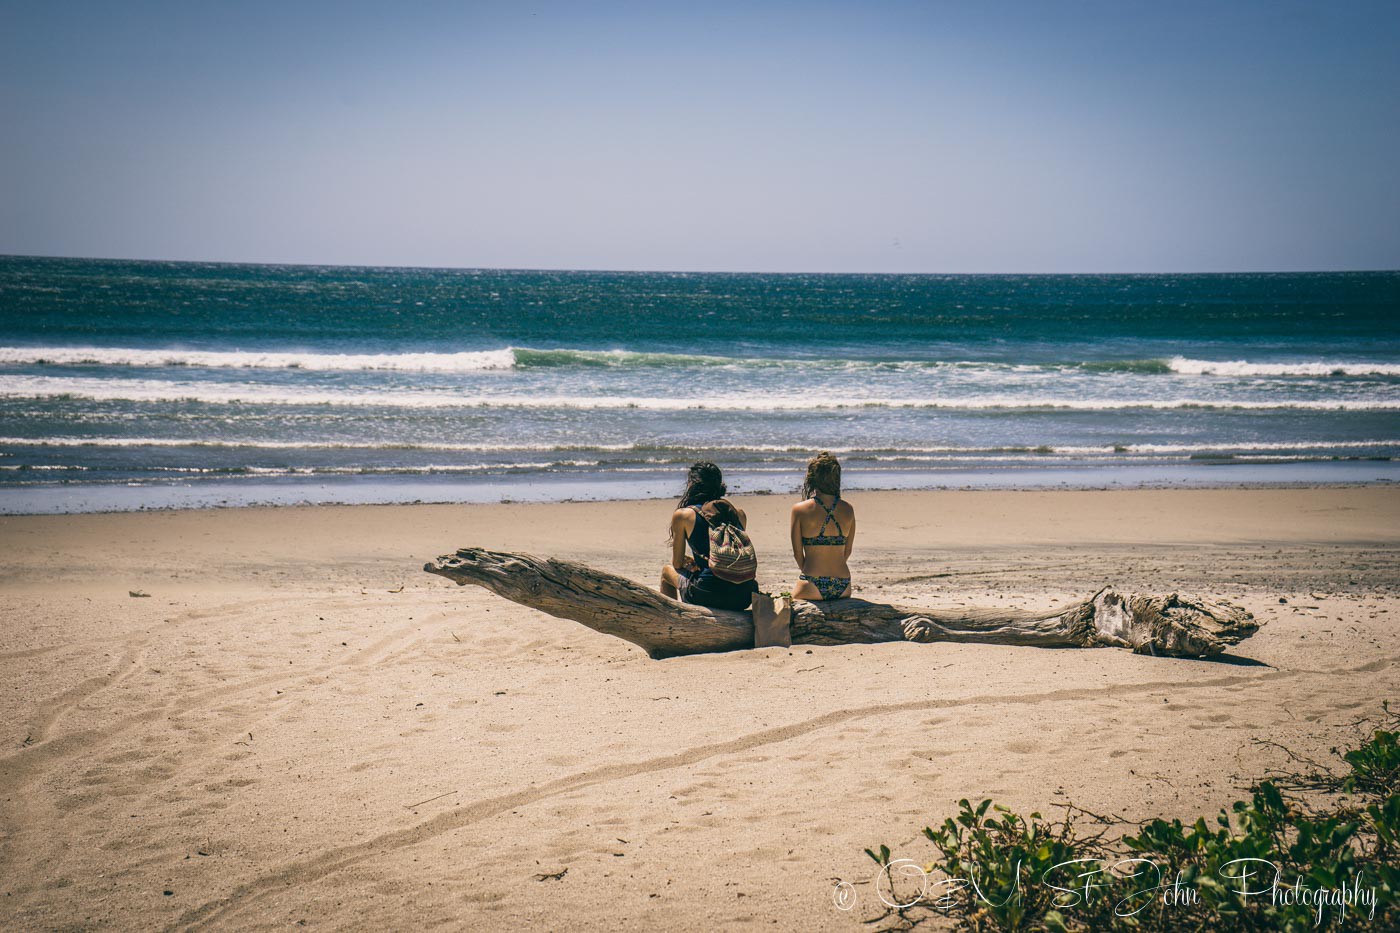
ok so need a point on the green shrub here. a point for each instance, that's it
(995, 870)
(1375, 766)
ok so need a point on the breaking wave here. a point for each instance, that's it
(524, 358)
(151, 390)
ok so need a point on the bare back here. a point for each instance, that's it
(823, 534)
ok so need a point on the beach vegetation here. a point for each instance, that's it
(1314, 847)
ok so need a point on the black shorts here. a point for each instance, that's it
(702, 588)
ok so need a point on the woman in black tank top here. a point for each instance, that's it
(688, 578)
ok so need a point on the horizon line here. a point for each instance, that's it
(602, 271)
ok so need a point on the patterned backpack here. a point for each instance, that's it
(732, 555)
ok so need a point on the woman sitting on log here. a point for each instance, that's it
(691, 579)
(823, 533)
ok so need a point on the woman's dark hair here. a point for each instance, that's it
(823, 475)
(704, 483)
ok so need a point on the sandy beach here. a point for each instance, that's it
(296, 726)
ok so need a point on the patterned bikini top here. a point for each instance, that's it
(821, 537)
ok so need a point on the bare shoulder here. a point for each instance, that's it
(844, 507)
(684, 516)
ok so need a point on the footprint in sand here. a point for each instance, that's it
(94, 777)
(73, 803)
(230, 784)
(692, 790)
(483, 897)
(155, 773)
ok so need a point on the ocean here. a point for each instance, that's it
(128, 385)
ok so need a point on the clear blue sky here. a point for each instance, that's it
(916, 137)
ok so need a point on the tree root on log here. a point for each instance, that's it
(1170, 626)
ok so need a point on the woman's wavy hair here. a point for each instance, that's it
(823, 476)
(704, 483)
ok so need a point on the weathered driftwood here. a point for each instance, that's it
(1172, 626)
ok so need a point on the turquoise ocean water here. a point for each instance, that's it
(144, 384)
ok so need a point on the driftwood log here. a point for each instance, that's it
(1171, 626)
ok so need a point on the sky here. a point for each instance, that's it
(817, 137)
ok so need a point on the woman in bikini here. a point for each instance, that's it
(823, 533)
(688, 578)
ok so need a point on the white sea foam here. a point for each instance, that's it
(1188, 367)
(152, 390)
(428, 469)
(513, 358)
(1255, 446)
(407, 470)
(302, 445)
(955, 450)
(463, 362)
(227, 359)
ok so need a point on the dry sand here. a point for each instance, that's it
(280, 735)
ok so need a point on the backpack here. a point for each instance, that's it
(732, 555)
